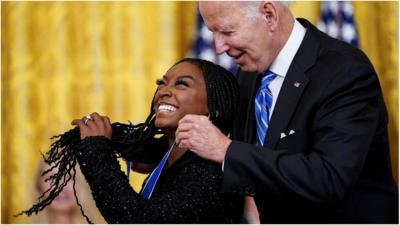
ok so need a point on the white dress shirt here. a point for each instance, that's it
(280, 65)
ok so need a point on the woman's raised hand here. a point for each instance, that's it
(94, 125)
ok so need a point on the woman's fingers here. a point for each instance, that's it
(94, 125)
(107, 126)
(75, 122)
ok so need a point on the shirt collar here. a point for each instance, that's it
(280, 65)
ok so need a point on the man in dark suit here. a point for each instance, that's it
(323, 155)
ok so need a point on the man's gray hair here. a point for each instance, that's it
(285, 3)
(252, 7)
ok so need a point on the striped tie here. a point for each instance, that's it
(263, 103)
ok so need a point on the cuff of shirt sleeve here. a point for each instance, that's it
(223, 162)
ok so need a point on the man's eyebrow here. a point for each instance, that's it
(226, 27)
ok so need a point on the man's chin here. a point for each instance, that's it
(247, 68)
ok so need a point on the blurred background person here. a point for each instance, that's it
(63, 209)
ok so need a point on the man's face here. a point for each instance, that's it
(246, 40)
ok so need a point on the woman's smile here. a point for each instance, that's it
(166, 108)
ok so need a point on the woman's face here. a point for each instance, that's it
(181, 91)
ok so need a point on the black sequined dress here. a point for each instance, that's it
(186, 192)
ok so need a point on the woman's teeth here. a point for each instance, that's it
(166, 108)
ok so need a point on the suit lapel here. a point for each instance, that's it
(293, 86)
(289, 95)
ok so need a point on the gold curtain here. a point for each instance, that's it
(63, 60)
(378, 29)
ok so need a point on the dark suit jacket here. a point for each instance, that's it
(335, 167)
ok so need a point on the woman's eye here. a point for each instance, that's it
(160, 83)
(182, 83)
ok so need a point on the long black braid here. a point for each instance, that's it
(143, 142)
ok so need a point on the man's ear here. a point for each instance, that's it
(270, 14)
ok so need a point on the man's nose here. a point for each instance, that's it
(220, 44)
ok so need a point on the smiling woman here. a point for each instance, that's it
(183, 188)
(63, 209)
(181, 91)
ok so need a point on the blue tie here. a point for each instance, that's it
(263, 103)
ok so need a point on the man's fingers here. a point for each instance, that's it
(190, 126)
(185, 144)
(181, 136)
(183, 130)
(191, 118)
(184, 127)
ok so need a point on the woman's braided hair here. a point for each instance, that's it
(142, 142)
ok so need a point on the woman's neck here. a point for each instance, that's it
(175, 154)
(61, 218)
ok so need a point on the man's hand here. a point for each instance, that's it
(94, 125)
(200, 136)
